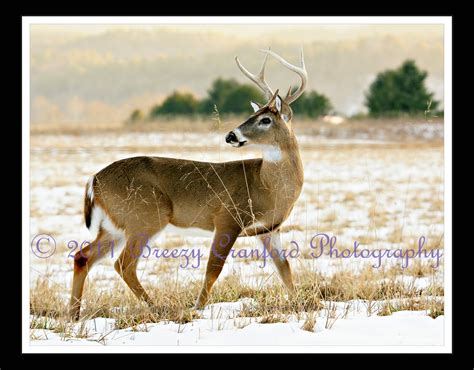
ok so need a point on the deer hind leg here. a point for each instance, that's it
(126, 265)
(221, 246)
(83, 262)
(272, 243)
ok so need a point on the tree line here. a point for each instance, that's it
(392, 93)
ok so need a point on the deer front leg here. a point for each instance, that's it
(272, 243)
(221, 246)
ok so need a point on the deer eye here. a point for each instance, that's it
(265, 121)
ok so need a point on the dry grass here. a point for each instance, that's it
(433, 307)
(329, 196)
(315, 295)
(350, 196)
(273, 319)
(310, 322)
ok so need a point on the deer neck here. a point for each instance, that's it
(282, 169)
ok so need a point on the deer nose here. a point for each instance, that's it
(231, 138)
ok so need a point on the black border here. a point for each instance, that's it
(64, 360)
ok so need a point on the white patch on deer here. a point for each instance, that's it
(258, 224)
(255, 226)
(100, 219)
(90, 188)
(255, 106)
(240, 137)
(275, 243)
(271, 153)
(278, 103)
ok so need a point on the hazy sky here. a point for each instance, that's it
(97, 72)
(304, 32)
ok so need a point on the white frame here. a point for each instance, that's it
(445, 21)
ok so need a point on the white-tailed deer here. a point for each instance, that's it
(137, 197)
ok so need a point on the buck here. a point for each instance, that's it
(138, 197)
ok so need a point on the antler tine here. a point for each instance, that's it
(302, 60)
(300, 71)
(288, 94)
(258, 79)
(261, 74)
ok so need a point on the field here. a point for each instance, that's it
(378, 183)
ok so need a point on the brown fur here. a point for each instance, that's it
(141, 195)
(88, 204)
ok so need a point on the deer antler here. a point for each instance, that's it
(300, 71)
(258, 79)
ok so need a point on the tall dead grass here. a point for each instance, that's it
(379, 291)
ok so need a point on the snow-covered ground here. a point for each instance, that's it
(220, 325)
(386, 195)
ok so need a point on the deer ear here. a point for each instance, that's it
(272, 104)
(278, 104)
(255, 106)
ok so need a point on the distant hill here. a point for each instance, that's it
(104, 75)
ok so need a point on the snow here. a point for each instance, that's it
(220, 326)
(340, 185)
